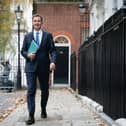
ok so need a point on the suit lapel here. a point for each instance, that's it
(31, 37)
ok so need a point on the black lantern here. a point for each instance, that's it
(82, 8)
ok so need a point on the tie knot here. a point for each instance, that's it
(37, 33)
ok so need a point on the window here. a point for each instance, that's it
(61, 39)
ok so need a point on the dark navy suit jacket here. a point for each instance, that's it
(45, 54)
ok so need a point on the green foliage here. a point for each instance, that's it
(5, 24)
(61, 0)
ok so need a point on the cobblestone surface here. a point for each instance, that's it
(63, 109)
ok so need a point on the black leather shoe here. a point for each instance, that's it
(30, 121)
(44, 114)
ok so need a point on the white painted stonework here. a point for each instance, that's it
(101, 10)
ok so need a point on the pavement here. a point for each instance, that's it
(63, 109)
(9, 101)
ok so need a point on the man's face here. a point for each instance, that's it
(36, 22)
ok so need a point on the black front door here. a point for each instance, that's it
(62, 66)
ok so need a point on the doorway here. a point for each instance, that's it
(61, 76)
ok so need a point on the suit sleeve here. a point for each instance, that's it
(24, 48)
(52, 49)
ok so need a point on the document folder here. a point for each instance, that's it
(33, 47)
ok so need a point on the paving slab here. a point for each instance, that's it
(63, 109)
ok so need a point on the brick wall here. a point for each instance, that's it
(62, 19)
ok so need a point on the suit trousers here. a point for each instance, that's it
(43, 78)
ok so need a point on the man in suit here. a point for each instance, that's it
(39, 65)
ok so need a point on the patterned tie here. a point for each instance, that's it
(37, 38)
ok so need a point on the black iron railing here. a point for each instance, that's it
(73, 71)
(102, 66)
(8, 73)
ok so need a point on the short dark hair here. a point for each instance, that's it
(38, 15)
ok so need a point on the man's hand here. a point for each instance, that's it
(31, 56)
(52, 66)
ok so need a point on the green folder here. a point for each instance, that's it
(33, 47)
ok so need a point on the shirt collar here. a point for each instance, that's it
(40, 31)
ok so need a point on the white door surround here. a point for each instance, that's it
(62, 41)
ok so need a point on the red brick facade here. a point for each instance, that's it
(62, 19)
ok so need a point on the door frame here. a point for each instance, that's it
(52, 75)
